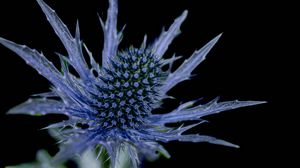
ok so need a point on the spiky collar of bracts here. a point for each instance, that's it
(115, 101)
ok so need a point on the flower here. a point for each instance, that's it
(110, 106)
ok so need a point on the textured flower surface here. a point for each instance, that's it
(110, 106)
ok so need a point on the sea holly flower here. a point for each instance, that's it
(110, 106)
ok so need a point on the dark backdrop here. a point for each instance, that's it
(247, 63)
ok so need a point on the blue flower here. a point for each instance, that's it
(110, 106)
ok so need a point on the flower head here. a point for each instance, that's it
(111, 105)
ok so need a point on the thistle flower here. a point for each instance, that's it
(110, 106)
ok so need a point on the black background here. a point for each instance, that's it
(248, 63)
